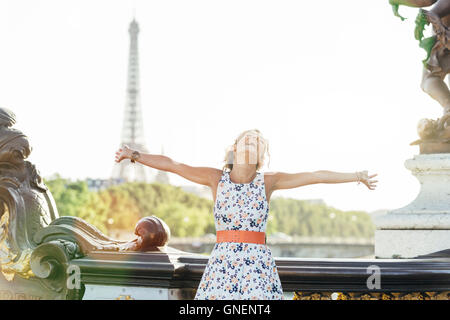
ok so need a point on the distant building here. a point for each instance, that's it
(101, 184)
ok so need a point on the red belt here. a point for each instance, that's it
(241, 236)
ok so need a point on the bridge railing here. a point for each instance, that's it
(179, 273)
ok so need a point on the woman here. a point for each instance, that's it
(241, 266)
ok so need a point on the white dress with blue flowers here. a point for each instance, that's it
(236, 270)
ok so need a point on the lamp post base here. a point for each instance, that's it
(423, 226)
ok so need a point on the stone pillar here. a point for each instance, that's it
(423, 226)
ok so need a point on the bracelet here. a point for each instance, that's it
(134, 156)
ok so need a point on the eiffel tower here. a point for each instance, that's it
(133, 126)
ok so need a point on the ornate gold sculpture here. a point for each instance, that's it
(26, 205)
(10, 262)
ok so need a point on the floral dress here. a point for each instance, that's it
(236, 270)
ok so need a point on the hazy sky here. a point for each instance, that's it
(332, 86)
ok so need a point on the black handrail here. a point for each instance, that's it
(179, 269)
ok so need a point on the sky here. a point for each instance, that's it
(331, 85)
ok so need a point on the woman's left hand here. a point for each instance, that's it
(366, 179)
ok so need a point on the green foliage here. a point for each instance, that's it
(395, 6)
(184, 221)
(75, 199)
(121, 206)
(69, 195)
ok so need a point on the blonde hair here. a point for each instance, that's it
(229, 153)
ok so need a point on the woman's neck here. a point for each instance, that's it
(242, 173)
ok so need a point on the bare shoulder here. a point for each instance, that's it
(216, 175)
(270, 178)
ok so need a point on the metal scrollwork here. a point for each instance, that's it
(26, 205)
(50, 262)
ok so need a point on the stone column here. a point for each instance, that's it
(423, 226)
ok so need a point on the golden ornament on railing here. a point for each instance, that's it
(444, 295)
(10, 263)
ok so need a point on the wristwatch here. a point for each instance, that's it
(134, 156)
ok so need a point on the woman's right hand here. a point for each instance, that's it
(123, 153)
(366, 179)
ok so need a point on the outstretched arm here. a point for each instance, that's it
(202, 175)
(284, 180)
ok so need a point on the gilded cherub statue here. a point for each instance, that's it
(434, 134)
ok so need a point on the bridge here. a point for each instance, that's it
(48, 256)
